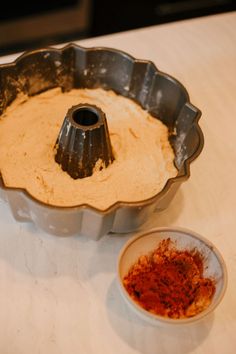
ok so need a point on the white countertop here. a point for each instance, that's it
(59, 295)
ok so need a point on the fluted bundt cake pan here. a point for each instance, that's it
(77, 67)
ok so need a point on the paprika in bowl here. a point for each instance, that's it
(171, 276)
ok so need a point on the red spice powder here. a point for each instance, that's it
(170, 282)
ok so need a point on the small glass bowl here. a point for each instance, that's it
(144, 243)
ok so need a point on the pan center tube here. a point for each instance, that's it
(83, 143)
(85, 116)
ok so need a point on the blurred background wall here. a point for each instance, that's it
(25, 26)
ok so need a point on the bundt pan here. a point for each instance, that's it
(77, 67)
